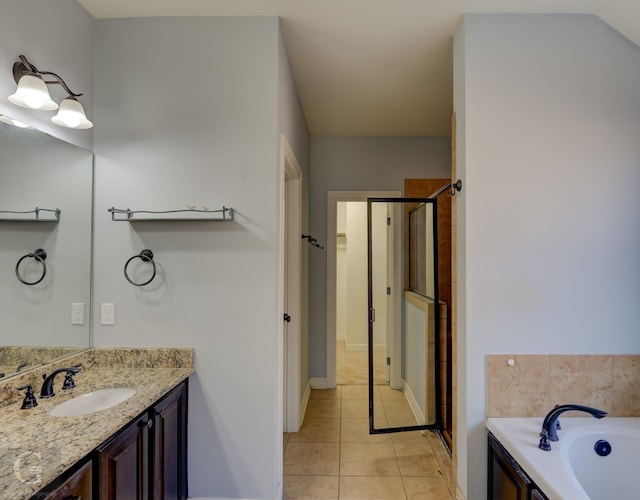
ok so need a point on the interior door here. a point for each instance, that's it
(410, 404)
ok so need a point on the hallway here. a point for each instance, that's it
(333, 457)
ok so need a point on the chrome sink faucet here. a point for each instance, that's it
(550, 425)
(47, 385)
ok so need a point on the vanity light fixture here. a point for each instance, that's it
(11, 121)
(32, 93)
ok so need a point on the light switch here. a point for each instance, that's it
(77, 313)
(107, 314)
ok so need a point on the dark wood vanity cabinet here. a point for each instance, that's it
(145, 460)
(148, 459)
(505, 478)
(169, 480)
(77, 485)
(123, 463)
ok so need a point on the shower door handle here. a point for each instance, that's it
(372, 315)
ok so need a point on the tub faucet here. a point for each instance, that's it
(47, 385)
(550, 425)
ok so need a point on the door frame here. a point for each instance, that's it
(291, 287)
(333, 197)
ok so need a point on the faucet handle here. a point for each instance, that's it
(68, 383)
(29, 400)
(544, 441)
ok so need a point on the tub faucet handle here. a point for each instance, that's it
(544, 441)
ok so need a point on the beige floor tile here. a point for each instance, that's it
(397, 410)
(371, 488)
(323, 408)
(317, 430)
(425, 488)
(285, 440)
(416, 459)
(387, 393)
(414, 437)
(312, 459)
(355, 392)
(358, 459)
(310, 488)
(356, 430)
(352, 366)
(326, 393)
(355, 408)
(359, 408)
(406, 421)
(442, 455)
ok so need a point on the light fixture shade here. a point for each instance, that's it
(71, 115)
(32, 93)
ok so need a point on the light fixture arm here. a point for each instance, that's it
(24, 67)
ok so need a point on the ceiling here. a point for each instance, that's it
(372, 67)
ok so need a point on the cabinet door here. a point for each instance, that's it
(504, 479)
(170, 445)
(78, 486)
(123, 463)
(536, 494)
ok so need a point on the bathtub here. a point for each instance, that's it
(573, 470)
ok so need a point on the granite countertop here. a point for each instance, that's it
(36, 447)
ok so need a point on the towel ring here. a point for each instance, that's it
(145, 256)
(39, 255)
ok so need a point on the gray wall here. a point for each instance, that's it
(58, 36)
(358, 164)
(190, 111)
(549, 233)
(292, 123)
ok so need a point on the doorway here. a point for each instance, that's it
(351, 293)
(333, 237)
(291, 286)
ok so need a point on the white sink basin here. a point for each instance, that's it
(92, 402)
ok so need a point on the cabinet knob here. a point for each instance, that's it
(149, 423)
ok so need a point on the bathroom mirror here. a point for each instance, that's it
(50, 318)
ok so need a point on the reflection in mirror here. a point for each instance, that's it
(402, 324)
(50, 318)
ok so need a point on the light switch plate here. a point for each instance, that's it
(107, 314)
(77, 313)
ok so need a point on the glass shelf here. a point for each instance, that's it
(128, 215)
(36, 215)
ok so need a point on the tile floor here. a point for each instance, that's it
(333, 456)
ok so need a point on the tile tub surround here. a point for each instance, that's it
(32, 438)
(536, 383)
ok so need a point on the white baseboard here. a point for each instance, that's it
(413, 404)
(341, 336)
(318, 383)
(279, 492)
(305, 400)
